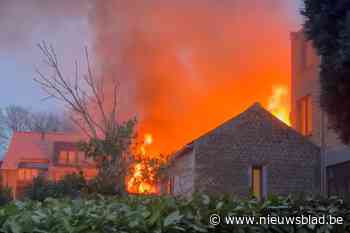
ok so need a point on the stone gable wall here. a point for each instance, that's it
(182, 173)
(225, 156)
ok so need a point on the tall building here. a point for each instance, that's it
(308, 118)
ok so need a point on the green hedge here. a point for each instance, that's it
(163, 214)
(70, 186)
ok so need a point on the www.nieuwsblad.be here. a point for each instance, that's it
(276, 220)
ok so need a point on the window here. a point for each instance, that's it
(72, 157)
(305, 115)
(257, 181)
(68, 157)
(171, 185)
(25, 174)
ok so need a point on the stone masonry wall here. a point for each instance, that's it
(182, 173)
(225, 156)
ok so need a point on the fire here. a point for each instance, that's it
(148, 139)
(136, 182)
(277, 104)
(182, 80)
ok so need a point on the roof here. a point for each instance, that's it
(260, 120)
(33, 147)
(338, 155)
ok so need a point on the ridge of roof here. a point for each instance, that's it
(256, 109)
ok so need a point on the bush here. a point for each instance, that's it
(70, 185)
(39, 189)
(5, 195)
(101, 184)
(164, 214)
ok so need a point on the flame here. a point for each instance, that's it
(182, 80)
(148, 139)
(277, 103)
(136, 182)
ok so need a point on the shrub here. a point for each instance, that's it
(5, 195)
(70, 185)
(164, 214)
(101, 184)
(39, 189)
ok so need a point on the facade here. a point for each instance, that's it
(311, 121)
(251, 153)
(52, 155)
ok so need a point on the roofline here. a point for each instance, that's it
(233, 118)
(188, 147)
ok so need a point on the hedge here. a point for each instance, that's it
(163, 214)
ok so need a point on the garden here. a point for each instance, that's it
(71, 206)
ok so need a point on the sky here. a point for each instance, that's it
(23, 26)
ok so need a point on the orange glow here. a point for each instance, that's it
(136, 182)
(148, 139)
(277, 105)
(184, 74)
(183, 79)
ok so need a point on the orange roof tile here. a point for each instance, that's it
(30, 146)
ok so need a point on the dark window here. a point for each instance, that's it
(338, 180)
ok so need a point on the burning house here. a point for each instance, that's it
(253, 152)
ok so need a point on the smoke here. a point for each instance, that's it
(185, 66)
(21, 21)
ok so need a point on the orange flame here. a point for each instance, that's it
(148, 139)
(277, 104)
(199, 74)
(136, 182)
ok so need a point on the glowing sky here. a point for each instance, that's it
(19, 55)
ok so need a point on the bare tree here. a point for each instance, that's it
(93, 112)
(12, 118)
(49, 122)
(16, 119)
